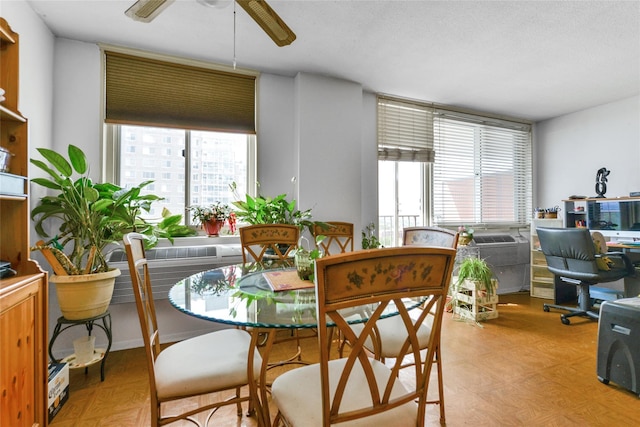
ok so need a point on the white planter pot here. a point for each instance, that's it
(86, 295)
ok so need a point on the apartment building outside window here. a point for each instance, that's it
(224, 157)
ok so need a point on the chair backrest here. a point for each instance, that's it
(569, 252)
(430, 236)
(339, 237)
(141, 283)
(376, 278)
(259, 240)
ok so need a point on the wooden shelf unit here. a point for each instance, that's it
(24, 296)
(542, 280)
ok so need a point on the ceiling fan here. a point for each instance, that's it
(259, 10)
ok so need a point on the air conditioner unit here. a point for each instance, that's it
(169, 265)
(508, 257)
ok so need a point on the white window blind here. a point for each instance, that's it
(405, 131)
(482, 174)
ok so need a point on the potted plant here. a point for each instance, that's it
(465, 235)
(473, 292)
(369, 238)
(214, 216)
(88, 218)
(272, 210)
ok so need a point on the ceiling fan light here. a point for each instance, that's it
(218, 4)
(269, 21)
(147, 10)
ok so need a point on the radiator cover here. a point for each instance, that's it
(508, 256)
(169, 265)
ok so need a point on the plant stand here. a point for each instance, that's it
(472, 302)
(100, 355)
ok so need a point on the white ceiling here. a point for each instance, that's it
(527, 59)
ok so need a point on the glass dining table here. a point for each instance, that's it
(242, 296)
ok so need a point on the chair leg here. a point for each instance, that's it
(584, 309)
(440, 401)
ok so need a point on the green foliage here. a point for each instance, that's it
(90, 215)
(369, 238)
(272, 210)
(477, 270)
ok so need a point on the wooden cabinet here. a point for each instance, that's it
(542, 280)
(23, 296)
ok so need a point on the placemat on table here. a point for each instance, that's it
(286, 280)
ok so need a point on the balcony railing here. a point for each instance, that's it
(390, 234)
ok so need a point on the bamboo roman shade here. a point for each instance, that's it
(405, 131)
(150, 92)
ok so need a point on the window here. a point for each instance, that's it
(196, 150)
(438, 166)
(229, 159)
(482, 171)
(405, 151)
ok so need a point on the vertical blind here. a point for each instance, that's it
(405, 131)
(150, 92)
(482, 166)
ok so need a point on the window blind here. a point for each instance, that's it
(482, 172)
(405, 131)
(150, 92)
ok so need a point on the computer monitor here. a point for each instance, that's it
(619, 219)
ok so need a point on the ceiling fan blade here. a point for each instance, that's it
(147, 10)
(269, 20)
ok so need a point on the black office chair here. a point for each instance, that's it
(572, 258)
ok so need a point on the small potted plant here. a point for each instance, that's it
(369, 238)
(465, 235)
(473, 292)
(272, 210)
(214, 216)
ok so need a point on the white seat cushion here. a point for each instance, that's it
(210, 362)
(297, 393)
(393, 335)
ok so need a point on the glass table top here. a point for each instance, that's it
(240, 295)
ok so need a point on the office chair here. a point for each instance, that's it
(339, 237)
(268, 240)
(208, 363)
(358, 388)
(571, 256)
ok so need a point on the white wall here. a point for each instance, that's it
(303, 123)
(328, 132)
(319, 129)
(570, 149)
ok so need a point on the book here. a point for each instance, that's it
(286, 280)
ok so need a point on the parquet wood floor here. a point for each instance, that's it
(523, 369)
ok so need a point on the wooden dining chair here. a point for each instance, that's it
(430, 236)
(338, 237)
(357, 386)
(389, 337)
(261, 241)
(209, 363)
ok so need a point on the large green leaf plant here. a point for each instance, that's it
(90, 216)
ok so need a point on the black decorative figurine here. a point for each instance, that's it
(601, 181)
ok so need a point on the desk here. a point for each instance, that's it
(239, 295)
(632, 250)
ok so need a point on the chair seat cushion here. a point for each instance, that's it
(207, 363)
(393, 335)
(297, 394)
